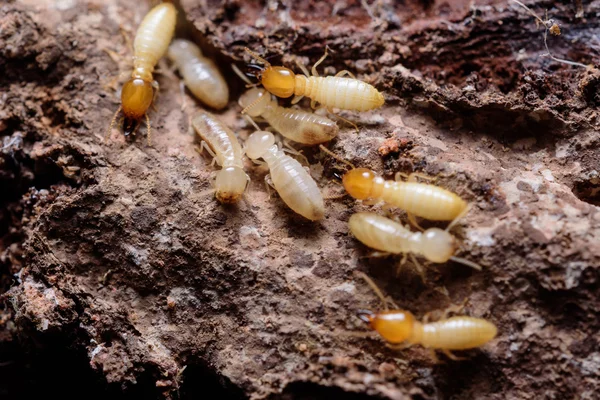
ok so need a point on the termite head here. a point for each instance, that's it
(255, 101)
(180, 49)
(230, 184)
(280, 81)
(258, 143)
(438, 245)
(136, 98)
(362, 183)
(394, 326)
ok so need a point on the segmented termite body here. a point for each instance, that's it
(293, 183)
(383, 234)
(297, 125)
(151, 42)
(455, 333)
(331, 91)
(199, 73)
(231, 180)
(401, 329)
(420, 199)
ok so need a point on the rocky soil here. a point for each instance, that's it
(121, 277)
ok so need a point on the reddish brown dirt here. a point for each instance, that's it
(123, 279)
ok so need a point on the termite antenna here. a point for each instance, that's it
(242, 76)
(458, 218)
(148, 137)
(466, 262)
(257, 57)
(375, 289)
(332, 154)
(249, 119)
(112, 124)
(251, 105)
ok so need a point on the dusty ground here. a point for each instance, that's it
(122, 279)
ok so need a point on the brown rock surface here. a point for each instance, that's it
(131, 281)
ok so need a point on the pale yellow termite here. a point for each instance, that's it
(223, 145)
(383, 234)
(294, 124)
(331, 91)
(401, 329)
(293, 183)
(151, 42)
(199, 73)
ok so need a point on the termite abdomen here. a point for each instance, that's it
(200, 74)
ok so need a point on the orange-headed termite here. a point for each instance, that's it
(221, 143)
(199, 73)
(416, 198)
(151, 42)
(293, 183)
(331, 91)
(400, 329)
(383, 234)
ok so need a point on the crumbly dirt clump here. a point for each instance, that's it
(122, 277)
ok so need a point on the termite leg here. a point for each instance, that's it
(314, 68)
(377, 254)
(452, 356)
(205, 146)
(313, 104)
(297, 99)
(112, 84)
(384, 300)
(342, 118)
(247, 184)
(182, 93)
(370, 202)
(303, 68)
(456, 309)
(345, 72)
(148, 136)
(156, 88)
(289, 149)
(125, 35)
(112, 124)
(242, 76)
(269, 184)
(420, 268)
(458, 217)
(413, 221)
(401, 264)
(412, 177)
(434, 356)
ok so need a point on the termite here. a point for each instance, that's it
(297, 125)
(199, 73)
(222, 144)
(293, 183)
(151, 42)
(383, 234)
(400, 329)
(331, 91)
(416, 198)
